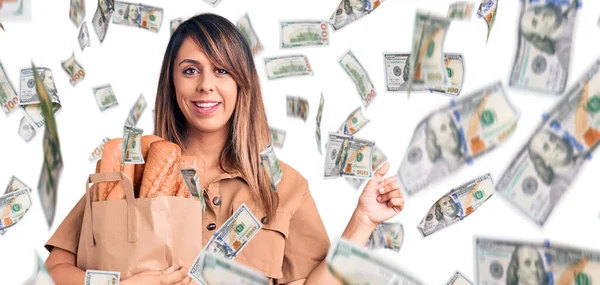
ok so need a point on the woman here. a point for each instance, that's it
(209, 102)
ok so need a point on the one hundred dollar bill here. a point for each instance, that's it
(455, 135)
(303, 33)
(211, 269)
(359, 76)
(249, 34)
(13, 207)
(192, 180)
(234, 234)
(8, 97)
(277, 137)
(286, 66)
(105, 97)
(136, 111)
(319, 117)
(138, 15)
(84, 36)
(387, 235)
(487, 10)
(545, 38)
(99, 277)
(348, 12)
(427, 60)
(348, 156)
(26, 131)
(377, 160)
(573, 266)
(101, 21)
(296, 107)
(16, 11)
(15, 184)
(29, 99)
(97, 153)
(459, 279)
(455, 66)
(546, 165)
(174, 24)
(214, 3)
(397, 70)
(354, 265)
(354, 123)
(460, 10)
(132, 145)
(269, 162)
(77, 11)
(74, 69)
(457, 204)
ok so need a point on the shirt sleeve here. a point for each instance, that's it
(307, 242)
(67, 234)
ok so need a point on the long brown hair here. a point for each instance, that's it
(248, 134)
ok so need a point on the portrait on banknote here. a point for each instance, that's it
(526, 267)
(443, 145)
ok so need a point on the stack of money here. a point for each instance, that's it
(487, 10)
(101, 19)
(459, 279)
(388, 236)
(286, 66)
(136, 111)
(97, 153)
(249, 34)
(303, 33)
(132, 145)
(15, 205)
(105, 97)
(348, 12)
(546, 165)
(296, 107)
(228, 240)
(348, 156)
(377, 159)
(77, 11)
(460, 10)
(211, 269)
(74, 69)
(84, 36)
(453, 136)
(457, 205)
(319, 117)
(269, 162)
(277, 137)
(359, 76)
(138, 15)
(29, 99)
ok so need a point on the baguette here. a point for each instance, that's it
(139, 168)
(110, 162)
(162, 167)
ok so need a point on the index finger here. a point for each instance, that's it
(382, 171)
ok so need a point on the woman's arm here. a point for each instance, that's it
(61, 266)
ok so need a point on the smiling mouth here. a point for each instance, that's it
(206, 105)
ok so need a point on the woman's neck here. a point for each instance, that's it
(206, 145)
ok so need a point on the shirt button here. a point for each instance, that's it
(265, 220)
(217, 201)
(211, 226)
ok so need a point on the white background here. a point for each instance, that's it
(130, 60)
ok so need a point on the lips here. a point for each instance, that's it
(205, 107)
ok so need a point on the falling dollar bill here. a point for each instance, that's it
(455, 68)
(174, 24)
(487, 10)
(192, 181)
(459, 203)
(29, 99)
(97, 153)
(26, 131)
(277, 137)
(84, 36)
(212, 269)
(40, 275)
(8, 97)
(101, 20)
(296, 107)
(136, 111)
(354, 265)
(303, 33)
(286, 66)
(348, 156)
(427, 60)
(354, 123)
(350, 11)
(214, 3)
(459, 279)
(74, 69)
(234, 234)
(359, 76)
(452, 136)
(377, 160)
(15, 184)
(319, 117)
(14, 205)
(132, 145)
(460, 10)
(105, 97)
(77, 11)
(99, 277)
(543, 53)
(138, 15)
(388, 236)
(249, 34)
(2, 27)
(15, 10)
(269, 162)
(545, 167)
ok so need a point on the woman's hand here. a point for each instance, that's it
(159, 277)
(381, 198)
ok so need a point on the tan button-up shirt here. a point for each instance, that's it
(287, 248)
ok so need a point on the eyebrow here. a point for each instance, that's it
(190, 61)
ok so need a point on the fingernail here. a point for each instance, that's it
(381, 190)
(379, 198)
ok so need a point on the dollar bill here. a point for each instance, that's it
(296, 107)
(388, 236)
(29, 99)
(99, 277)
(277, 137)
(544, 168)
(77, 11)
(234, 234)
(192, 180)
(319, 117)
(286, 66)
(543, 54)
(8, 96)
(354, 123)
(214, 3)
(377, 160)
(97, 153)
(460, 10)
(105, 97)
(138, 15)
(26, 131)
(74, 69)
(487, 10)
(354, 265)
(84, 36)
(427, 60)
(15, 184)
(210, 269)
(303, 33)
(359, 75)
(132, 145)
(455, 67)
(174, 24)
(457, 204)
(14, 205)
(573, 266)
(350, 11)
(40, 275)
(459, 279)
(136, 111)
(101, 20)
(348, 156)
(269, 162)
(15, 10)
(455, 135)
(249, 34)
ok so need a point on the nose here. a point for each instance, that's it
(206, 83)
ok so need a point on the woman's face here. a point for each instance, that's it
(132, 13)
(205, 93)
(541, 21)
(553, 150)
(447, 206)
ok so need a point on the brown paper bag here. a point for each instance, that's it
(135, 235)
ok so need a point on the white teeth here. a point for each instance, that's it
(206, 105)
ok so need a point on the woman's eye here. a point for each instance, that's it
(190, 71)
(222, 71)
